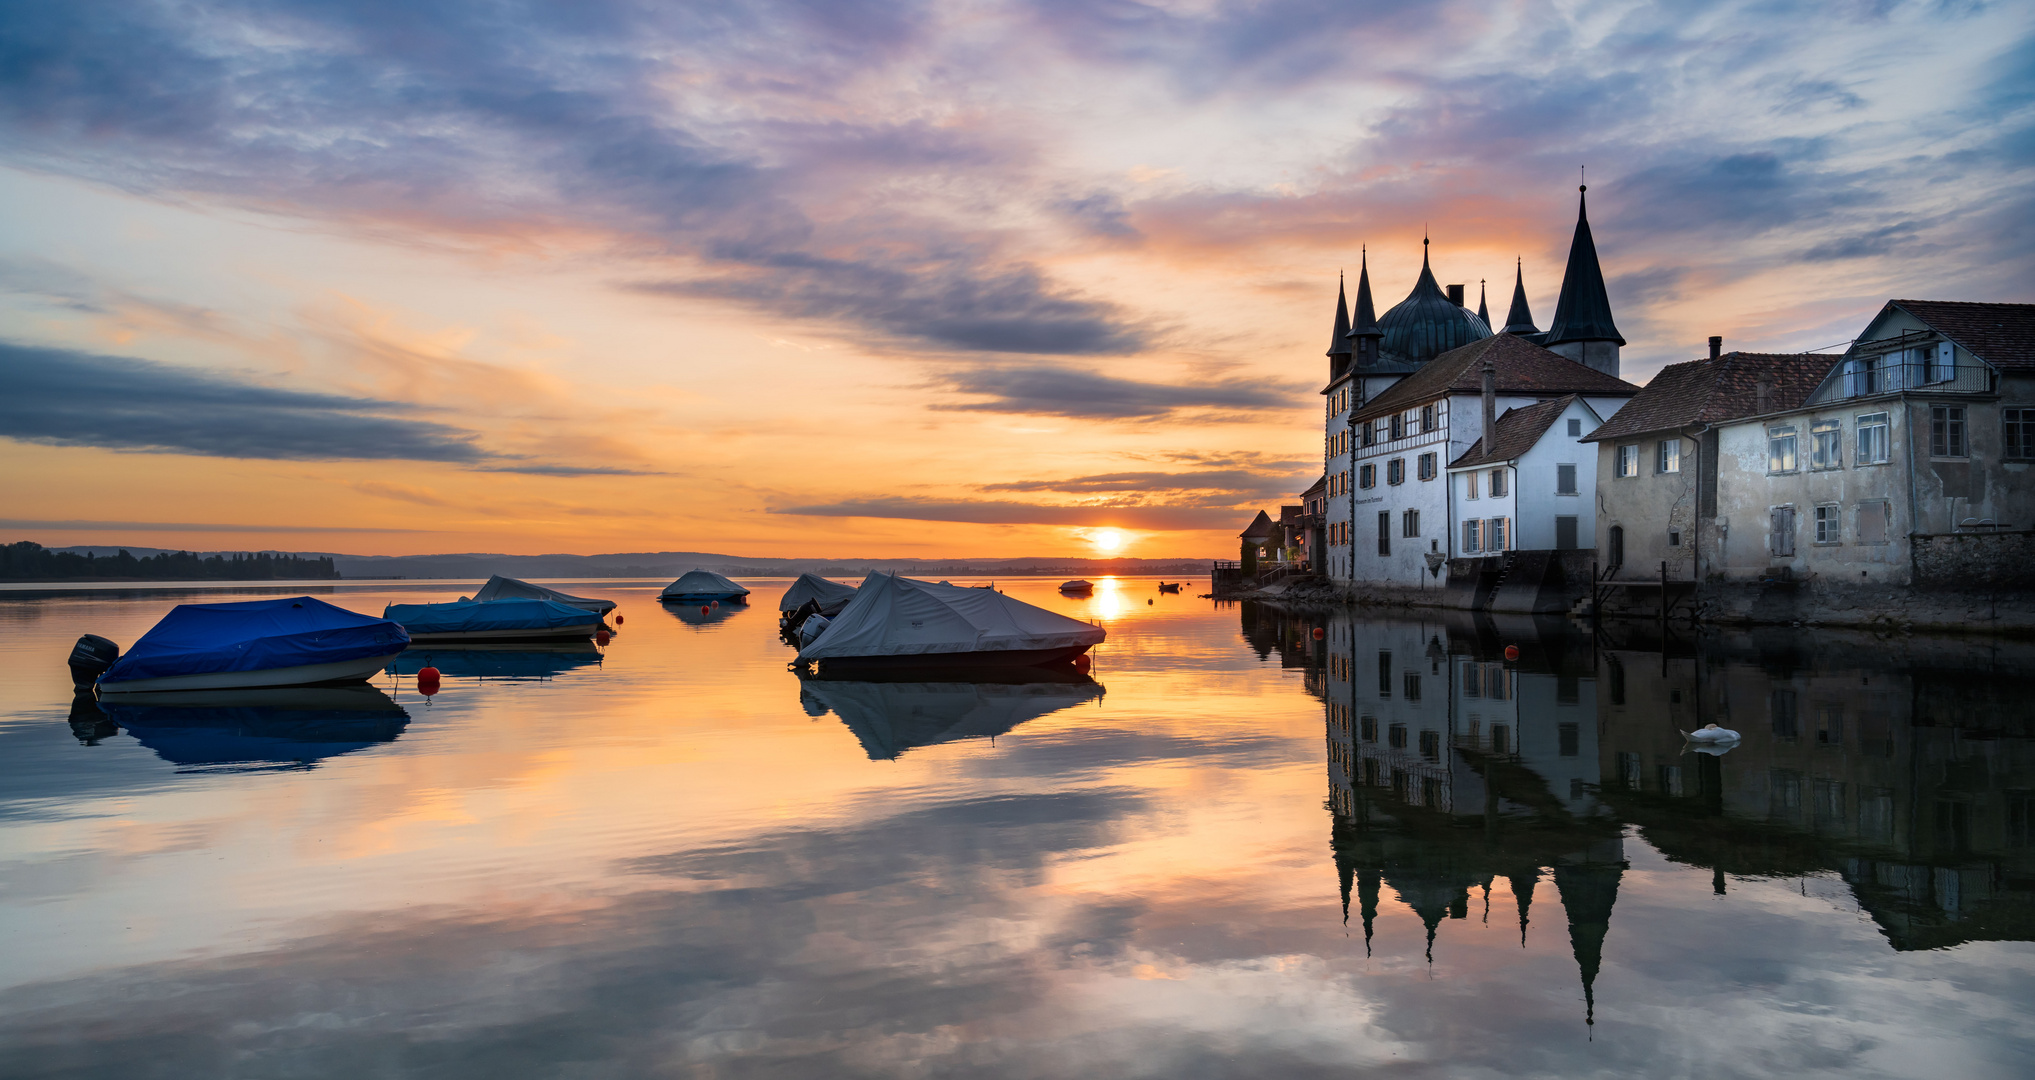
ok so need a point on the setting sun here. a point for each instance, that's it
(1106, 539)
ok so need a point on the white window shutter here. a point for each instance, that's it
(1946, 361)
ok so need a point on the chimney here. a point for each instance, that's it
(1716, 346)
(1490, 404)
(1764, 396)
(1456, 295)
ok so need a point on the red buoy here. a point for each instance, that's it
(1082, 663)
(601, 637)
(431, 673)
(618, 620)
(1511, 652)
(427, 681)
(717, 603)
(705, 610)
(1319, 633)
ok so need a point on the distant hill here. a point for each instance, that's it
(670, 564)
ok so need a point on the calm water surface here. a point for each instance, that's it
(1242, 850)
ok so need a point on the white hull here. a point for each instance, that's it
(336, 671)
(556, 633)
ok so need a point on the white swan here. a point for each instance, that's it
(1711, 733)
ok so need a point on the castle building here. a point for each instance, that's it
(1407, 398)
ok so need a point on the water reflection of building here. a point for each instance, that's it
(1450, 767)
(1907, 770)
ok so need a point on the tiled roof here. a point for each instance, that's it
(2002, 335)
(1319, 486)
(1518, 430)
(1523, 368)
(1260, 526)
(1713, 391)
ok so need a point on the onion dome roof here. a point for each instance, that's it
(1427, 323)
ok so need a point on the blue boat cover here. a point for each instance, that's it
(474, 616)
(255, 635)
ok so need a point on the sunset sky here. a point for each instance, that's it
(848, 278)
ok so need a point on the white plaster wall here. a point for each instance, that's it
(1534, 479)
(1747, 494)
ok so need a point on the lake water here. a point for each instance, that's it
(1242, 850)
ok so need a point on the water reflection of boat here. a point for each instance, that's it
(889, 718)
(704, 615)
(254, 730)
(498, 661)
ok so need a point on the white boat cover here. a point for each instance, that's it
(832, 596)
(703, 585)
(899, 616)
(508, 588)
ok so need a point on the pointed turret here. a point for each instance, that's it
(1364, 334)
(1582, 329)
(1519, 321)
(1522, 895)
(1588, 894)
(1339, 338)
(1367, 901)
(1483, 312)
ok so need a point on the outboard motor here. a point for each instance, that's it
(90, 658)
(88, 724)
(796, 620)
(814, 626)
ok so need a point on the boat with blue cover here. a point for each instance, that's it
(508, 588)
(292, 641)
(703, 587)
(494, 620)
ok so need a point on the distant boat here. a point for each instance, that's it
(1077, 587)
(703, 587)
(508, 588)
(898, 623)
(293, 641)
(494, 620)
(1172, 588)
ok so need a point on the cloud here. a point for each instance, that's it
(1243, 483)
(567, 470)
(61, 397)
(1063, 391)
(991, 512)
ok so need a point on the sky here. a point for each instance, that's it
(841, 278)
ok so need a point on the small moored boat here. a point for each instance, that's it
(293, 641)
(1171, 587)
(901, 623)
(1077, 587)
(494, 620)
(508, 588)
(703, 587)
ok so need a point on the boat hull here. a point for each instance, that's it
(338, 671)
(835, 666)
(529, 633)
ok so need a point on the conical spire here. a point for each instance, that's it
(1367, 900)
(1483, 312)
(1339, 341)
(1519, 320)
(1522, 894)
(1366, 324)
(1583, 313)
(1588, 894)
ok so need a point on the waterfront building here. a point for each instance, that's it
(1532, 487)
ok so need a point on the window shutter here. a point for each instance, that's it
(1783, 542)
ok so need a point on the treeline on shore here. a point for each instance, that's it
(29, 561)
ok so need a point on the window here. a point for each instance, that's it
(1667, 456)
(1367, 477)
(1674, 538)
(1409, 524)
(2019, 433)
(1565, 479)
(1411, 685)
(1873, 521)
(1469, 485)
(1946, 431)
(1628, 460)
(1575, 428)
(1569, 739)
(1396, 736)
(1427, 418)
(1384, 532)
(1828, 524)
(1780, 450)
(1868, 376)
(1617, 545)
(1473, 680)
(1939, 362)
(1370, 433)
(1826, 445)
(1472, 536)
(1427, 466)
(1395, 471)
(1872, 446)
(1430, 745)
(1565, 532)
(1367, 728)
(1781, 535)
(1398, 425)
(1497, 483)
(1498, 533)
(1384, 674)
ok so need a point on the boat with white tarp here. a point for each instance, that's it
(508, 588)
(899, 622)
(494, 620)
(703, 587)
(829, 596)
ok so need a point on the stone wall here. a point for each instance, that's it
(1998, 560)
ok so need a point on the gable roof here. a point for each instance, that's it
(1320, 485)
(1518, 430)
(1704, 392)
(1260, 526)
(1523, 368)
(2002, 335)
